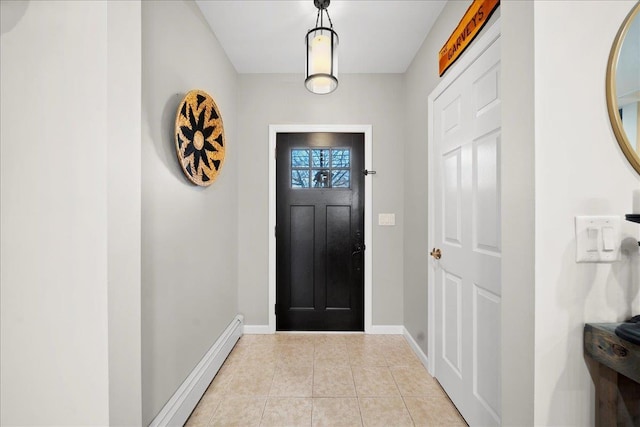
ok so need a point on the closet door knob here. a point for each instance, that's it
(436, 253)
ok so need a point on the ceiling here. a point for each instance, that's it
(268, 36)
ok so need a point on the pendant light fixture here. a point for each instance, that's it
(321, 75)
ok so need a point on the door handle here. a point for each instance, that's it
(358, 249)
(436, 253)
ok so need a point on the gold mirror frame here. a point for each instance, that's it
(612, 102)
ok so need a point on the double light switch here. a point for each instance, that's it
(387, 219)
(598, 238)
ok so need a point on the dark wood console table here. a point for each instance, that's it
(618, 377)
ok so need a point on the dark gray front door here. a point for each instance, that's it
(320, 231)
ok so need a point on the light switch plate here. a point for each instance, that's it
(591, 233)
(387, 219)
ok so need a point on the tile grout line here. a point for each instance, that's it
(224, 390)
(210, 420)
(402, 396)
(264, 407)
(408, 411)
(357, 395)
(313, 379)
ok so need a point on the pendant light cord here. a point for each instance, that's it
(320, 16)
(330, 23)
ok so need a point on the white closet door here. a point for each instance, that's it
(467, 139)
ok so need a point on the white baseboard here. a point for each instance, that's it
(417, 350)
(386, 329)
(184, 400)
(375, 329)
(320, 332)
(256, 329)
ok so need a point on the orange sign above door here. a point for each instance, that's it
(470, 25)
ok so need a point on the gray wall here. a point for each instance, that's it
(123, 212)
(579, 170)
(53, 174)
(547, 297)
(189, 233)
(517, 195)
(518, 212)
(282, 99)
(419, 81)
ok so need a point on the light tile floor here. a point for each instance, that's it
(324, 380)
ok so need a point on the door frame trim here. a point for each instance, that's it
(368, 211)
(482, 43)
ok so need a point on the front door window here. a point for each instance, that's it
(321, 168)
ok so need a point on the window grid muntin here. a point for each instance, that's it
(310, 167)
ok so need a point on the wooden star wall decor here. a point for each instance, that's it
(200, 142)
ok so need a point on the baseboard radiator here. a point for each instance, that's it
(184, 400)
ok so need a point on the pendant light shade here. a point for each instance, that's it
(321, 75)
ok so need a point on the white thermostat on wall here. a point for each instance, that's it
(598, 238)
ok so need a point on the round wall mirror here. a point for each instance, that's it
(623, 87)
